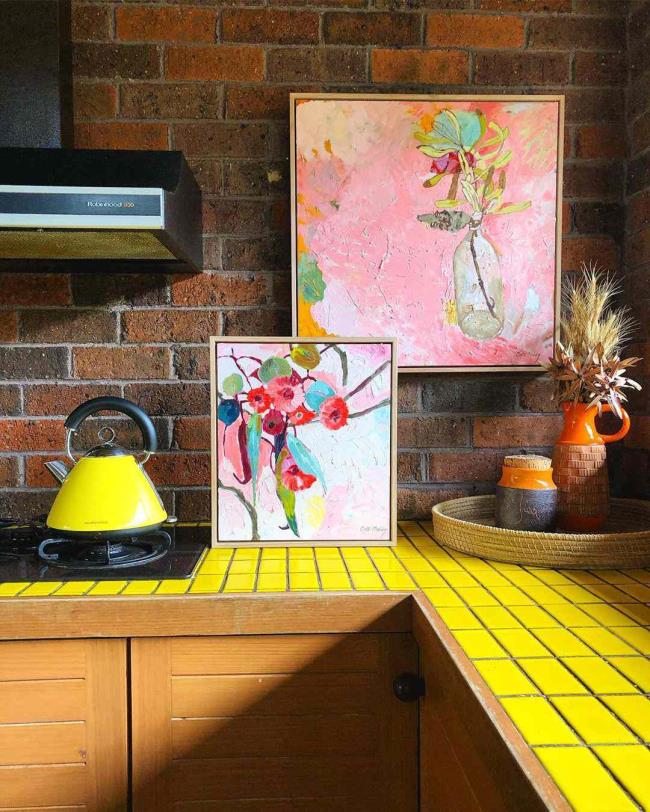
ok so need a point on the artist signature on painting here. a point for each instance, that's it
(374, 528)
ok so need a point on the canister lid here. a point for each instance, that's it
(532, 462)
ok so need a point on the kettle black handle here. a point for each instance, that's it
(114, 404)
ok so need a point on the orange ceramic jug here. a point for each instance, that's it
(580, 468)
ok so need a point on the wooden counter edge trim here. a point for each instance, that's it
(169, 616)
(429, 629)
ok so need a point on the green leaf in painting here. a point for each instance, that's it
(287, 498)
(253, 437)
(305, 356)
(511, 208)
(433, 181)
(274, 367)
(310, 280)
(305, 460)
(233, 384)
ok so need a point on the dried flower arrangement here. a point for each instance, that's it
(586, 365)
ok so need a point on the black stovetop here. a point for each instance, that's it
(19, 560)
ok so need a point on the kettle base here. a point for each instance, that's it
(104, 553)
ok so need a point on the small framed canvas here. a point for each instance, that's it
(436, 219)
(303, 441)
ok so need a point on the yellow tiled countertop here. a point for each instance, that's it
(564, 651)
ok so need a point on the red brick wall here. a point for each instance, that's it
(214, 79)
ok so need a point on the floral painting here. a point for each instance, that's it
(303, 441)
(434, 219)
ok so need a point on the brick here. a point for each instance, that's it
(409, 466)
(567, 217)
(9, 400)
(257, 102)
(521, 69)
(256, 323)
(144, 326)
(600, 141)
(227, 216)
(192, 433)
(194, 505)
(593, 105)
(639, 436)
(266, 253)
(582, 32)
(170, 398)
(409, 394)
(36, 474)
(637, 247)
(475, 31)
(192, 363)
(605, 218)
(638, 174)
(180, 469)
(406, 5)
(220, 290)
(281, 216)
(212, 253)
(31, 435)
(120, 362)
(285, 27)
(321, 3)
(637, 96)
(600, 69)
(535, 6)
(132, 289)
(121, 135)
(60, 399)
(30, 504)
(465, 466)
(256, 178)
(94, 100)
(641, 133)
(454, 394)
(576, 250)
(374, 28)
(198, 100)
(167, 24)
(99, 61)
(638, 55)
(603, 7)
(522, 430)
(73, 326)
(215, 62)
(415, 66)
(23, 363)
(208, 174)
(8, 471)
(638, 211)
(319, 64)
(425, 431)
(416, 502)
(537, 395)
(223, 139)
(599, 181)
(8, 327)
(127, 434)
(91, 22)
(34, 289)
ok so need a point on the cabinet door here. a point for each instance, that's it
(279, 723)
(63, 741)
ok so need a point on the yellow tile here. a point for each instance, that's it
(358, 564)
(635, 636)
(538, 722)
(271, 582)
(608, 615)
(331, 565)
(599, 675)
(562, 643)
(635, 611)
(461, 579)
(365, 581)
(479, 644)
(443, 562)
(240, 582)
(634, 711)
(544, 594)
(376, 552)
(458, 618)
(279, 553)
(213, 567)
(388, 564)
(206, 583)
(577, 594)
(504, 678)
(637, 669)
(603, 641)
(615, 577)
(216, 554)
(140, 588)
(511, 596)
(443, 596)
(308, 552)
(40, 589)
(303, 582)
(583, 779)
(273, 566)
(245, 566)
(631, 765)
(522, 578)
(490, 577)
(571, 616)
(640, 575)
(303, 565)
(398, 581)
(334, 581)
(639, 591)
(476, 596)
(428, 578)
(609, 593)
(107, 588)
(583, 576)
(173, 586)
(552, 677)
(533, 617)
(592, 720)
(520, 643)
(12, 588)
(246, 554)
(496, 617)
(550, 577)
(75, 588)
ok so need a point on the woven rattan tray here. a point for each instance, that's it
(467, 525)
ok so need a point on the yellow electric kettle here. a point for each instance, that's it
(107, 493)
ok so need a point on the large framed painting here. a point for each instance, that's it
(303, 441)
(436, 219)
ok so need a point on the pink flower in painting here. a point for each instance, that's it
(283, 393)
(273, 422)
(301, 415)
(259, 399)
(449, 164)
(293, 477)
(334, 413)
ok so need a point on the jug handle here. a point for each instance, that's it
(612, 438)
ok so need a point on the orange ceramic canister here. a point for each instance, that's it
(526, 494)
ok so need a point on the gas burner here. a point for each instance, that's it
(105, 554)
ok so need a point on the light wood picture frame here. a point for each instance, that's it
(303, 441)
(381, 221)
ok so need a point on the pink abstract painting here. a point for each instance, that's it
(303, 441)
(434, 220)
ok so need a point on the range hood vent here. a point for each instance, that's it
(62, 207)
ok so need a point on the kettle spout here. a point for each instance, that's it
(58, 469)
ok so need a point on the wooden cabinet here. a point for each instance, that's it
(279, 722)
(63, 725)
